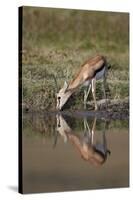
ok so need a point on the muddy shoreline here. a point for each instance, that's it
(116, 109)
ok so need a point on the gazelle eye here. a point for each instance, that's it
(59, 98)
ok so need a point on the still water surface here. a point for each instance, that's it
(66, 153)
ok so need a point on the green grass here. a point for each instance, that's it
(57, 41)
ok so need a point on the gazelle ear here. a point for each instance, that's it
(65, 86)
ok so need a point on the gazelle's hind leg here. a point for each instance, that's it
(105, 148)
(93, 130)
(86, 94)
(104, 90)
(94, 92)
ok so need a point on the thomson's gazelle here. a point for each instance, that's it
(92, 70)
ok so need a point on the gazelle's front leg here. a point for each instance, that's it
(86, 127)
(94, 92)
(86, 94)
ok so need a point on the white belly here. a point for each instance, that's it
(87, 83)
(100, 74)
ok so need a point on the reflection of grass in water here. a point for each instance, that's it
(100, 124)
(46, 127)
(57, 41)
(119, 124)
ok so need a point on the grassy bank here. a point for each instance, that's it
(57, 41)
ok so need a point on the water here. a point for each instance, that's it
(67, 153)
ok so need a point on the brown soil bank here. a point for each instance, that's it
(116, 109)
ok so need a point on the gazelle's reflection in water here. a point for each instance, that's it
(94, 152)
